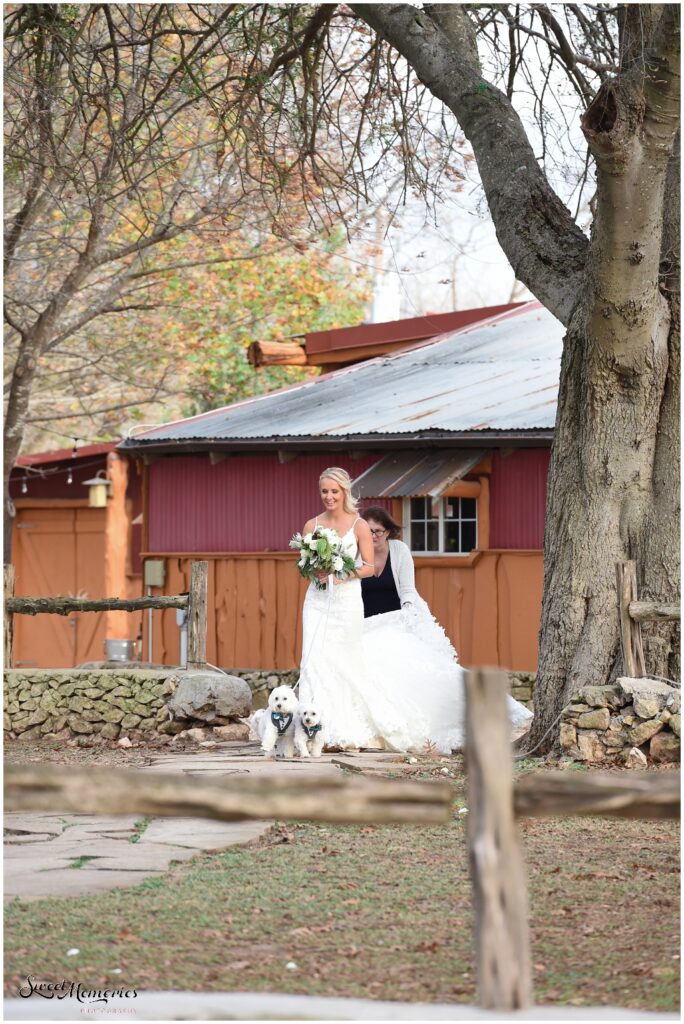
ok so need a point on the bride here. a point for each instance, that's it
(390, 680)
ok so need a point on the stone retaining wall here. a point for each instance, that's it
(128, 701)
(630, 722)
(84, 701)
(522, 687)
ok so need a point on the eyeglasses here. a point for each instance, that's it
(378, 533)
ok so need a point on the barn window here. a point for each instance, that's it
(448, 529)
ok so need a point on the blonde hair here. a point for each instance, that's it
(341, 477)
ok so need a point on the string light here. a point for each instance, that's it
(70, 478)
(74, 452)
(24, 486)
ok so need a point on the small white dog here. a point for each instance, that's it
(275, 725)
(309, 737)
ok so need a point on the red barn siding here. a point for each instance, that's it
(518, 498)
(245, 503)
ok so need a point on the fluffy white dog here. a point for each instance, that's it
(309, 737)
(275, 725)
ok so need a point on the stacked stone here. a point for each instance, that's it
(94, 705)
(629, 722)
(84, 702)
(262, 682)
(522, 687)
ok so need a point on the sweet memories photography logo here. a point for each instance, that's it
(65, 989)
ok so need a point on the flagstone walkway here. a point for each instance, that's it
(53, 854)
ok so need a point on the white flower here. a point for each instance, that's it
(302, 561)
(338, 564)
(307, 538)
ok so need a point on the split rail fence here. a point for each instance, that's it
(195, 601)
(632, 613)
(495, 803)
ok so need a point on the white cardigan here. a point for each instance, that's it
(404, 572)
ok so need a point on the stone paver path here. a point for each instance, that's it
(53, 854)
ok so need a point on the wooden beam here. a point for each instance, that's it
(117, 623)
(502, 944)
(483, 515)
(8, 589)
(145, 539)
(95, 790)
(276, 353)
(197, 615)
(630, 795)
(462, 489)
(45, 503)
(653, 611)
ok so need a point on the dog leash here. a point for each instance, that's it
(307, 655)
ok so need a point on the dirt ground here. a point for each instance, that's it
(375, 911)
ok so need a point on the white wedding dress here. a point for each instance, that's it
(390, 681)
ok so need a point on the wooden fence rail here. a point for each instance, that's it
(66, 605)
(195, 601)
(231, 798)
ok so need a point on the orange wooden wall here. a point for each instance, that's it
(59, 550)
(490, 607)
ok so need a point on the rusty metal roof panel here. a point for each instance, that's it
(496, 375)
(409, 473)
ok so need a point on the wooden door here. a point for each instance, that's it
(59, 551)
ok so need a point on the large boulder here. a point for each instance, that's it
(210, 695)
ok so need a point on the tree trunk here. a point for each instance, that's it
(15, 421)
(600, 509)
(613, 482)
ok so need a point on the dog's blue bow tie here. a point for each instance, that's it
(311, 730)
(281, 721)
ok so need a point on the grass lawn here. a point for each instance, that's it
(375, 911)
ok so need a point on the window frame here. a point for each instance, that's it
(407, 520)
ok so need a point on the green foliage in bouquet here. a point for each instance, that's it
(323, 551)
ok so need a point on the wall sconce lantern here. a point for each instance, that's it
(98, 490)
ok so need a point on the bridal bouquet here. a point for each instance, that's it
(322, 551)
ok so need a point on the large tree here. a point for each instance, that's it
(614, 482)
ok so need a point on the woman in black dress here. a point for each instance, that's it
(379, 592)
(406, 651)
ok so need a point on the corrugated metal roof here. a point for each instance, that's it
(409, 473)
(496, 375)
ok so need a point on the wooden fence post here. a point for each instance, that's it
(502, 945)
(630, 632)
(197, 615)
(8, 582)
